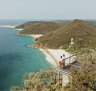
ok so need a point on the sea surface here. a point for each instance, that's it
(16, 59)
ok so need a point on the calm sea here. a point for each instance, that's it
(16, 59)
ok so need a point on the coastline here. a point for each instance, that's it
(35, 35)
(52, 56)
(8, 26)
(48, 57)
(32, 35)
(19, 29)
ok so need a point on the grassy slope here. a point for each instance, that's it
(39, 27)
(84, 36)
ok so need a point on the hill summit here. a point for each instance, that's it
(77, 21)
(80, 33)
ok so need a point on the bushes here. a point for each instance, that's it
(42, 81)
(84, 79)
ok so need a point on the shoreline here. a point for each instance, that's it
(8, 26)
(19, 29)
(32, 35)
(52, 56)
(48, 58)
(35, 35)
(11, 26)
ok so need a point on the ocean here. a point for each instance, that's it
(16, 59)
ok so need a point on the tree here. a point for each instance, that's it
(84, 79)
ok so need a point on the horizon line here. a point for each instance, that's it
(47, 19)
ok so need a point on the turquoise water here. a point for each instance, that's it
(16, 58)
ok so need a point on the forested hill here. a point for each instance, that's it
(39, 27)
(83, 35)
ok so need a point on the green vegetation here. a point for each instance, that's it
(39, 27)
(40, 81)
(84, 36)
(82, 78)
(77, 36)
(59, 34)
(30, 23)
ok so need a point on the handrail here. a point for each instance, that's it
(71, 56)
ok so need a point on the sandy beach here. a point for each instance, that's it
(35, 35)
(48, 57)
(32, 35)
(53, 56)
(19, 29)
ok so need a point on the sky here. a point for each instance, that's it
(47, 9)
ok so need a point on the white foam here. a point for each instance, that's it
(7, 26)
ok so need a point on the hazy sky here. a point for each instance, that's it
(47, 9)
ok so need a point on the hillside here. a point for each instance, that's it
(83, 35)
(28, 24)
(39, 27)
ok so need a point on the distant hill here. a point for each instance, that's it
(28, 24)
(39, 27)
(83, 35)
(91, 22)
